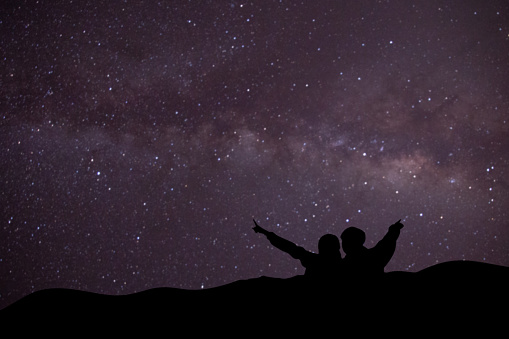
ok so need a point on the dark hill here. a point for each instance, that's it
(459, 294)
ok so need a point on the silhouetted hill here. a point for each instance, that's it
(458, 294)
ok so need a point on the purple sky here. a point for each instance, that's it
(138, 141)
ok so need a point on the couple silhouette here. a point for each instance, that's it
(360, 264)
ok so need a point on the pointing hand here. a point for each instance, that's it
(398, 225)
(258, 229)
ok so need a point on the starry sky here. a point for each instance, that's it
(140, 139)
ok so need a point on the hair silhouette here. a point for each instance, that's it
(328, 245)
(352, 238)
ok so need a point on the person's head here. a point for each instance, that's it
(328, 245)
(352, 239)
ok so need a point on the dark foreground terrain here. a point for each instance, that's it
(457, 296)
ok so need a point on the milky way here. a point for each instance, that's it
(139, 140)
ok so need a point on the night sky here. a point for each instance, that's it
(139, 140)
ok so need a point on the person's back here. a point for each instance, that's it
(327, 264)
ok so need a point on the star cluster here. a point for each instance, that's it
(139, 139)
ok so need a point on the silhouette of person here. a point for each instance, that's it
(361, 262)
(322, 266)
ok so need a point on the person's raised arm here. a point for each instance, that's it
(284, 245)
(387, 246)
(259, 229)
